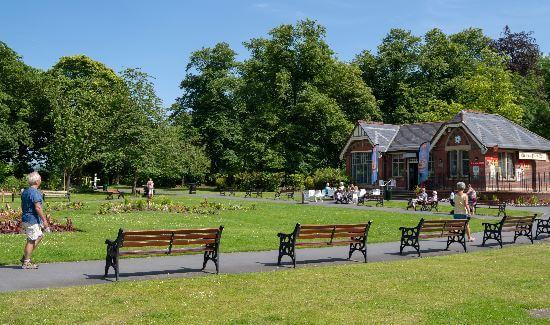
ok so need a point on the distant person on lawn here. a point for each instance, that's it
(150, 188)
(462, 209)
(33, 218)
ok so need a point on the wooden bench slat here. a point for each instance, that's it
(322, 231)
(169, 232)
(336, 235)
(193, 242)
(324, 243)
(169, 237)
(145, 243)
(148, 252)
(332, 226)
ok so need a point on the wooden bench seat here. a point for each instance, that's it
(452, 229)
(163, 242)
(521, 226)
(257, 192)
(379, 199)
(111, 193)
(500, 205)
(7, 194)
(230, 191)
(354, 235)
(50, 194)
(289, 193)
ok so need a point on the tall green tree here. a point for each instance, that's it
(23, 107)
(86, 96)
(209, 98)
(300, 101)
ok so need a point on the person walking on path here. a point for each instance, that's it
(461, 207)
(33, 218)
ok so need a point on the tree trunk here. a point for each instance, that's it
(135, 183)
(68, 180)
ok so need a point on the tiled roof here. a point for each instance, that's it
(494, 130)
(411, 136)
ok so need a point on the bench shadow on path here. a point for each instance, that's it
(183, 270)
(288, 263)
(14, 267)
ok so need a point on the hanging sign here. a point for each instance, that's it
(533, 155)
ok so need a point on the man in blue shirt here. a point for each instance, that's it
(33, 218)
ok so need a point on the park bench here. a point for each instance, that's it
(7, 194)
(500, 205)
(230, 190)
(289, 193)
(257, 192)
(111, 193)
(51, 194)
(376, 197)
(354, 235)
(452, 229)
(343, 197)
(164, 242)
(543, 226)
(521, 226)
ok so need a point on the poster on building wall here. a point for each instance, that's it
(374, 174)
(476, 168)
(423, 158)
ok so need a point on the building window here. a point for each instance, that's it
(397, 165)
(459, 163)
(361, 167)
(506, 165)
(431, 172)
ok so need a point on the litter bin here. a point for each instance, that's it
(192, 188)
(388, 193)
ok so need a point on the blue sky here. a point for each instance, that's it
(158, 36)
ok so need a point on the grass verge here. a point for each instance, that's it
(494, 286)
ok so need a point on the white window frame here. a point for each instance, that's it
(461, 169)
(397, 159)
(504, 172)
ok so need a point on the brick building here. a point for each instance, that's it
(486, 150)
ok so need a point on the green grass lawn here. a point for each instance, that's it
(244, 230)
(497, 286)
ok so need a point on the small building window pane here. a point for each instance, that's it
(398, 165)
(453, 163)
(361, 167)
(465, 163)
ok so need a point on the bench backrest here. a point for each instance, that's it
(170, 238)
(55, 193)
(441, 227)
(514, 222)
(331, 231)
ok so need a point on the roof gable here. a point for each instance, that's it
(494, 130)
(380, 134)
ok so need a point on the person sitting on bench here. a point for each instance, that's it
(422, 197)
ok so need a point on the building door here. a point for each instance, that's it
(413, 175)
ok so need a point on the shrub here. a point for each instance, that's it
(271, 181)
(220, 180)
(295, 181)
(11, 182)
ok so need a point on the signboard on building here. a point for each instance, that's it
(533, 155)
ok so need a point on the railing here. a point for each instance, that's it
(538, 182)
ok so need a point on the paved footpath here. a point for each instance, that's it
(13, 278)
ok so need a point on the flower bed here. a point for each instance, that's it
(164, 205)
(10, 223)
